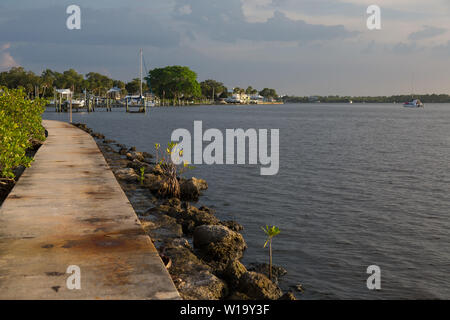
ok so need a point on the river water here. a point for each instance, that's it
(358, 185)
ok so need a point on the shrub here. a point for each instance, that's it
(20, 124)
(170, 186)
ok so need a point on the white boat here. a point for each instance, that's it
(416, 103)
(78, 103)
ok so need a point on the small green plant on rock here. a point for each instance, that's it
(141, 177)
(270, 233)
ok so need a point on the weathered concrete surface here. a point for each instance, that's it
(68, 209)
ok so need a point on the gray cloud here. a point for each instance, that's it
(111, 26)
(225, 21)
(215, 39)
(426, 33)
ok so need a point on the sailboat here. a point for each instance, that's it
(148, 103)
(140, 100)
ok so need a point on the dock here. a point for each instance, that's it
(68, 211)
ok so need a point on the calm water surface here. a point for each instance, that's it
(358, 185)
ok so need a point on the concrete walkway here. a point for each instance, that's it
(68, 209)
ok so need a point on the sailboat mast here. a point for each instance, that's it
(140, 73)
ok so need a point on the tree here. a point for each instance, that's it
(134, 86)
(97, 82)
(48, 78)
(270, 233)
(17, 77)
(69, 79)
(268, 93)
(238, 90)
(174, 82)
(251, 91)
(210, 87)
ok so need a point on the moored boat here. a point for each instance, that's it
(416, 103)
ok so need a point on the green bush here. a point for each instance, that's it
(20, 124)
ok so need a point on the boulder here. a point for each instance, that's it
(233, 272)
(190, 189)
(199, 217)
(163, 209)
(161, 227)
(173, 202)
(201, 184)
(288, 296)
(126, 174)
(148, 158)
(193, 279)
(153, 182)
(135, 155)
(258, 287)
(263, 268)
(218, 245)
(123, 151)
(190, 216)
(238, 296)
(137, 165)
(98, 135)
(232, 225)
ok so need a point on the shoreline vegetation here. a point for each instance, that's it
(175, 86)
(425, 98)
(21, 135)
(171, 85)
(201, 252)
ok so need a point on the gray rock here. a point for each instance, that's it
(263, 268)
(233, 225)
(201, 184)
(288, 296)
(98, 135)
(189, 216)
(173, 202)
(238, 296)
(193, 279)
(161, 226)
(190, 189)
(135, 155)
(126, 174)
(218, 245)
(257, 286)
(123, 151)
(137, 165)
(153, 182)
(233, 272)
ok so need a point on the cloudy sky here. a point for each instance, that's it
(301, 47)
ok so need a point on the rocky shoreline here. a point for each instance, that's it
(201, 252)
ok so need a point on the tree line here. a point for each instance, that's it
(425, 98)
(171, 82)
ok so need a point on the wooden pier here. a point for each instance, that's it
(68, 211)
